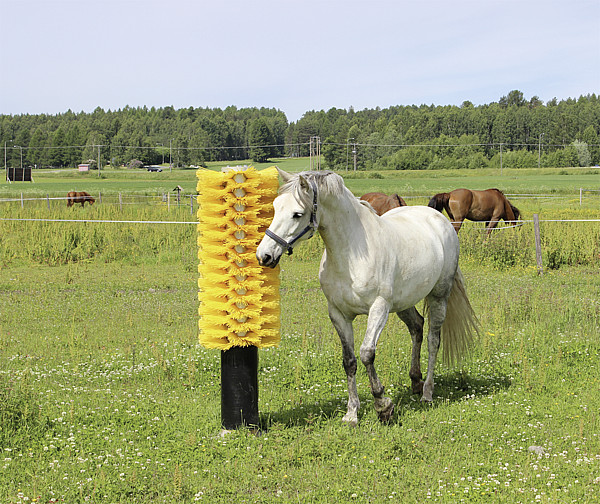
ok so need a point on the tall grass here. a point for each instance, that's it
(564, 241)
(43, 241)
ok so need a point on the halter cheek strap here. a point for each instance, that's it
(312, 225)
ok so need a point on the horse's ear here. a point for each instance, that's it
(285, 176)
(304, 185)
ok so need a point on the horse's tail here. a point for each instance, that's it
(439, 201)
(461, 324)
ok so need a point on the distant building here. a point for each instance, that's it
(83, 167)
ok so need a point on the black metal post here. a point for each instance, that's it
(239, 387)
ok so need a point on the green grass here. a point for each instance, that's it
(105, 395)
(406, 183)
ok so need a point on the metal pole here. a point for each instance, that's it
(239, 387)
(538, 244)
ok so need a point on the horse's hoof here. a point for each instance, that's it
(386, 415)
(417, 387)
(350, 420)
(385, 409)
(427, 400)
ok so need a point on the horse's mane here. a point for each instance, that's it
(327, 182)
(439, 201)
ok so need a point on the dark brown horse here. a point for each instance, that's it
(79, 197)
(381, 203)
(490, 206)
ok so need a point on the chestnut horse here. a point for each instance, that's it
(381, 202)
(490, 206)
(79, 197)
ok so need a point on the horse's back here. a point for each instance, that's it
(383, 203)
(420, 229)
(423, 245)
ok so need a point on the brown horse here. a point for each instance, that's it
(381, 203)
(79, 197)
(490, 206)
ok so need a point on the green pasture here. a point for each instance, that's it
(106, 396)
(407, 183)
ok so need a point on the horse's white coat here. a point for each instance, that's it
(372, 265)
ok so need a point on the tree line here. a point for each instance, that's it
(514, 131)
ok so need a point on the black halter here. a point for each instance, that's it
(311, 225)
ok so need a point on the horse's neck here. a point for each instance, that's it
(343, 225)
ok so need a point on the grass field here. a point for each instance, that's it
(105, 395)
(407, 183)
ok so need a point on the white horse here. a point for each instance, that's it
(376, 265)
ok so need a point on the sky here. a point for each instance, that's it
(295, 56)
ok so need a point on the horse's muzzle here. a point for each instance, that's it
(268, 260)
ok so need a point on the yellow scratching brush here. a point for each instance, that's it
(239, 299)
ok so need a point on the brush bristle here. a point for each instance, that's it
(239, 299)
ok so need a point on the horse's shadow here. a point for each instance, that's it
(449, 388)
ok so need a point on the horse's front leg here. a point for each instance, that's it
(343, 326)
(491, 225)
(378, 315)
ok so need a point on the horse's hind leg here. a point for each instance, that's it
(378, 315)
(457, 224)
(491, 225)
(343, 326)
(437, 315)
(414, 321)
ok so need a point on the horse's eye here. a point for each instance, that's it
(297, 215)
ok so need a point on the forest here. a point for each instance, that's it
(513, 132)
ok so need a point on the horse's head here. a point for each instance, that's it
(91, 200)
(515, 211)
(295, 219)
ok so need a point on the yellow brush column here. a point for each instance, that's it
(239, 299)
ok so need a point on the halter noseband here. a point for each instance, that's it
(311, 225)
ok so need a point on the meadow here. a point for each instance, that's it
(106, 396)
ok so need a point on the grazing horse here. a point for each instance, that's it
(373, 266)
(381, 202)
(79, 197)
(490, 205)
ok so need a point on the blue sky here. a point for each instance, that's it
(295, 56)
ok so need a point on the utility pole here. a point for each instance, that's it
(540, 151)
(347, 145)
(354, 154)
(315, 152)
(98, 161)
